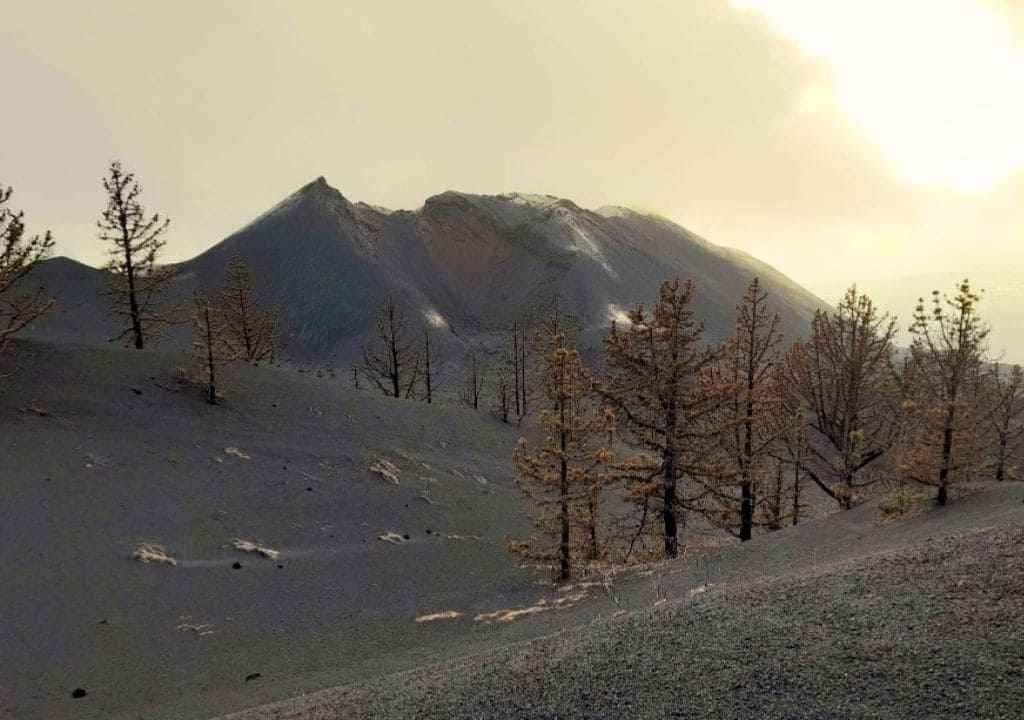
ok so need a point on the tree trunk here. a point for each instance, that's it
(796, 493)
(515, 364)
(947, 451)
(133, 301)
(1001, 466)
(564, 496)
(211, 367)
(669, 511)
(426, 349)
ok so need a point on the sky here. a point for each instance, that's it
(841, 142)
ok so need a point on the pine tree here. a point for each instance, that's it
(19, 254)
(565, 476)
(210, 350)
(136, 281)
(748, 420)
(391, 359)
(250, 330)
(945, 430)
(844, 376)
(656, 369)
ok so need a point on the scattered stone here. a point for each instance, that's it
(137, 391)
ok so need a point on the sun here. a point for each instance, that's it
(934, 83)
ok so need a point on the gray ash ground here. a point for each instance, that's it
(843, 617)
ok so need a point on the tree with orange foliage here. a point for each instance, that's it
(844, 377)
(565, 476)
(748, 420)
(947, 408)
(656, 384)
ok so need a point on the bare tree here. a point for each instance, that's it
(1007, 418)
(136, 281)
(656, 365)
(210, 351)
(19, 254)
(946, 411)
(250, 330)
(428, 378)
(391, 359)
(844, 376)
(474, 386)
(502, 394)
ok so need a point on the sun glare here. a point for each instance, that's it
(935, 83)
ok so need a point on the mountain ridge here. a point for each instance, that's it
(474, 261)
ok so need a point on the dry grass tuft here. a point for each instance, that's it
(446, 615)
(392, 537)
(251, 547)
(152, 553)
(237, 453)
(386, 469)
(903, 502)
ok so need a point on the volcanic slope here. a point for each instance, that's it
(844, 617)
(370, 512)
(466, 264)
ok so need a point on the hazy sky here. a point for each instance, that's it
(839, 141)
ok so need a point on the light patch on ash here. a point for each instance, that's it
(241, 455)
(251, 547)
(152, 553)
(585, 243)
(510, 614)
(435, 318)
(394, 538)
(386, 469)
(446, 615)
(618, 315)
(700, 589)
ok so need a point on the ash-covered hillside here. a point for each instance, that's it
(467, 264)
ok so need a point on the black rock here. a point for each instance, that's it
(236, 565)
(78, 693)
(251, 676)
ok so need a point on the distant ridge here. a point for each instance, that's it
(471, 263)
